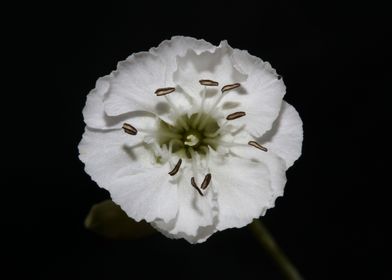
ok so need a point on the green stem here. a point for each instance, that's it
(267, 241)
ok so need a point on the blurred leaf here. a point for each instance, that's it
(107, 219)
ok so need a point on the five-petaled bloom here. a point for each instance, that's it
(191, 137)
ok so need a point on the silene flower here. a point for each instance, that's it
(191, 137)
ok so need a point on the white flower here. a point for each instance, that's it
(191, 137)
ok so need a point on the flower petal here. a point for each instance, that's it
(133, 86)
(148, 194)
(215, 64)
(93, 112)
(276, 167)
(168, 51)
(119, 163)
(106, 153)
(197, 216)
(202, 235)
(285, 137)
(243, 187)
(262, 93)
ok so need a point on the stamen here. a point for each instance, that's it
(195, 186)
(230, 87)
(206, 181)
(171, 143)
(257, 145)
(208, 83)
(217, 101)
(175, 109)
(235, 115)
(129, 129)
(203, 99)
(176, 168)
(164, 91)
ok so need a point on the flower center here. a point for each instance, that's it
(195, 134)
(187, 136)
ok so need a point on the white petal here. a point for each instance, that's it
(106, 153)
(147, 195)
(285, 137)
(168, 51)
(262, 93)
(93, 112)
(202, 234)
(243, 188)
(213, 64)
(133, 84)
(276, 167)
(197, 216)
(119, 163)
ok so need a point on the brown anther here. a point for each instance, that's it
(235, 115)
(195, 186)
(164, 91)
(129, 129)
(209, 83)
(257, 145)
(230, 87)
(176, 168)
(206, 181)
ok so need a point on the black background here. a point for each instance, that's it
(331, 221)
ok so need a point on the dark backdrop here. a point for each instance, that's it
(330, 222)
